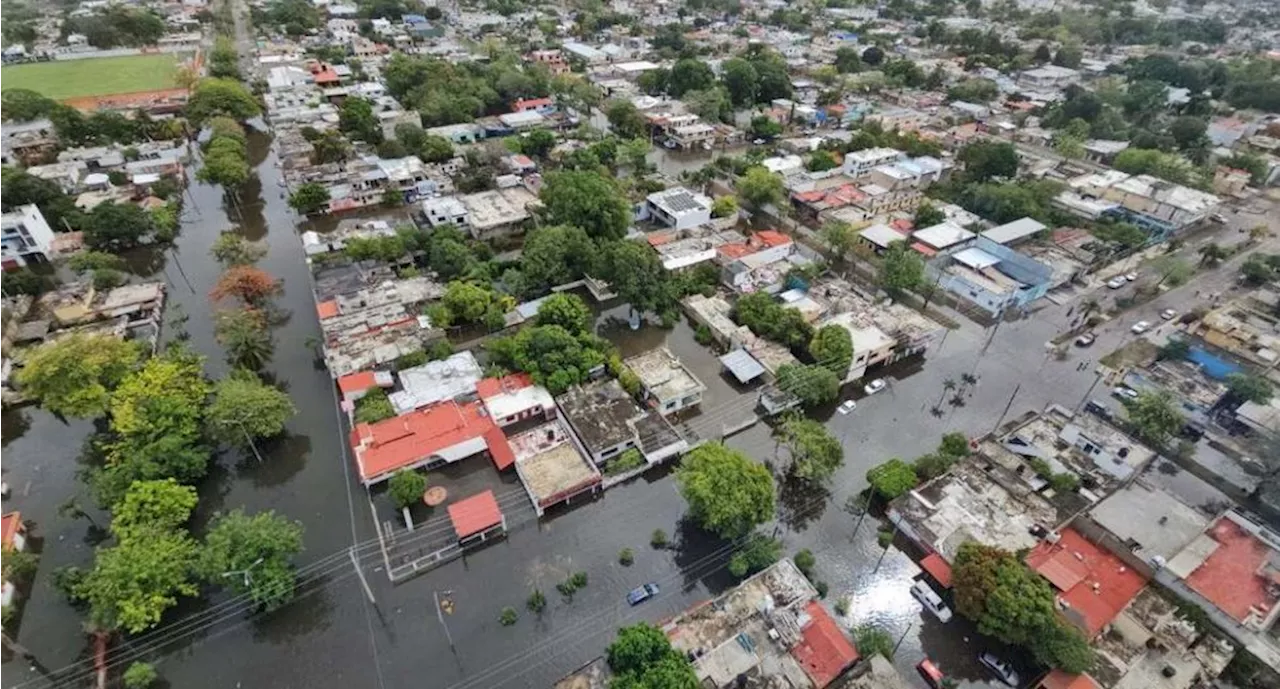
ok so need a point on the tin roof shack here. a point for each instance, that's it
(669, 386)
(608, 422)
(368, 318)
(770, 629)
(551, 466)
(978, 500)
(1056, 441)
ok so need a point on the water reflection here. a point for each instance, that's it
(282, 458)
(801, 502)
(14, 423)
(311, 611)
(700, 557)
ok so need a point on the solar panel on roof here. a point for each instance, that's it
(682, 201)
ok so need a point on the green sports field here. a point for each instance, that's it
(93, 76)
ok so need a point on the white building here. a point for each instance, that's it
(679, 208)
(25, 237)
(860, 163)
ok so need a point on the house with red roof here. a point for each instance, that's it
(431, 437)
(542, 106)
(13, 537)
(1092, 584)
(824, 653)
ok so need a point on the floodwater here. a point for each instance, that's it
(330, 635)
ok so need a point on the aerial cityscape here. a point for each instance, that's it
(687, 344)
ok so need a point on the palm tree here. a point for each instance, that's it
(1212, 254)
(968, 379)
(245, 337)
(947, 386)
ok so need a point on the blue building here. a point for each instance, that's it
(991, 276)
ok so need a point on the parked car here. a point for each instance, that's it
(931, 601)
(875, 386)
(1219, 218)
(931, 674)
(1097, 408)
(1116, 282)
(1168, 314)
(1125, 393)
(641, 594)
(1001, 668)
(758, 142)
(848, 406)
(1140, 327)
(1130, 276)
(1086, 339)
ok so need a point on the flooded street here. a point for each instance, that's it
(332, 636)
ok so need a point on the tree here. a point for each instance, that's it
(586, 200)
(555, 255)
(815, 453)
(566, 310)
(625, 119)
(871, 640)
(711, 104)
(226, 165)
(537, 143)
(213, 97)
(1212, 254)
(928, 215)
(245, 408)
(309, 198)
(892, 478)
(251, 555)
(832, 346)
(756, 554)
(847, 60)
(987, 160)
(244, 335)
(901, 269)
(1188, 132)
(1154, 416)
(357, 120)
(728, 493)
(954, 445)
(74, 375)
(1069, 55)
(24, 105)
(435, 149)
(641, 657)
(115, 227)
(1172, 269)
(467, 302)
(224, 59)
(759, 187)
(375, 406)
(1175, 349)
(765, 127)
(724, 207)
(1249, 388)
(140, 675)
(636, 274)
(689, 74)
(133, 584)
(840, 236)
(330, 147)
(230, 249)
(741, 80)
(252, 286)
(821, 161)
(553, 356)
(406, 487)
(873, 56)
(813, 384)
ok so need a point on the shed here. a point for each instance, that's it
(742, 365)
(477, 518)
(1009, 233)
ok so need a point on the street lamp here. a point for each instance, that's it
(244, 572)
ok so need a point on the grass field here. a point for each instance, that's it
(93, 77)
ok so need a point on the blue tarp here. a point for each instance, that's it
(1214, 366)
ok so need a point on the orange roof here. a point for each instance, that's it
(1232, 576)
(659, 238)
(327, 309)
(925, 249)
(937, 568)
(9, 529)
(475, 514)
(810, 196)
(1094, 584)
(823, 651)
(525, 104)
(1059, 679)
(736, 250)
(403, 441)
(499, 449)
(902, 225)
(492, 387)
(357, 382)
(771, 238)
(326, 76)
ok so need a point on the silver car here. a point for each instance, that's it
(931, 601)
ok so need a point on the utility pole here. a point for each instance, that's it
(440, 616)
(249, 438)
(902, 638)
(248, 579)
(1006, 407)
(1096, 380)
(360, 573)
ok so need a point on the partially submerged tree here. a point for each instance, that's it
(252, 555)
(728, 493)
(74, 375)
(245, 409)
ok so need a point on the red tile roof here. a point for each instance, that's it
(659, 238)
(326, 75)
(530, 104)
(499, 449)
(771, 238)
(357, 382)
(9, 529)
(735, 251)
(1059, 679)
(1232, 576)
(492, 387)
(403, 441)
(475, 514)
(810, 196)
(1094, 584)
(327, 309)
(937, 568)
(903, 225)
(823, 651)
(923, 248)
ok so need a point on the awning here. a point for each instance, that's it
(742, 365)
(937, 568)
(475, 514)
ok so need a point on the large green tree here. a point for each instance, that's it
(634, 272)
(759, 187)
(256, 551)
(213, 97)
(625, 119)
(728, 493)
(75, 375)
(1243, 387)
(115, 227)
(555, 255)
(162, 504)
(814, 384)
(565, 310)
(892, 478)
(901, 269)
(1154, 416)
(132, 584)
(832, 346)
(587, 200)
(740, 78)
(641, 657)
(689, 74)
(245, 409)
(815, 453)
(987, 160)
(309, 198)
(357, 120)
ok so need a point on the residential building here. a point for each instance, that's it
(515, 398)
(1014, 232)
(858, 164)
(552, 465)
(946, 236)
(1092, 585)
(880, 237)
(760, 263)
(607, 422)
(25, 237)
(1246, 327)
(431, 437)
(553, 60)
(991, 276)
(458, 134)
(1047, 78)
(680, 249)
(871, 346)
(542, 106)
(485, 214)
(1230, 181)
(679, 208)
(668, 385)
(454, 378)
(1159, 207)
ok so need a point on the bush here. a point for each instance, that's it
(884, 537)
(579, 579)
(536, 602)
(805, 561)
(374, 407)
(406, 487)
(702, 335)
(822, 588)
(658, 539)
(871, 640)
(758, 553)
(140, 676)
(508, 616)
(842, 606)
(626, 557)
(631, 459)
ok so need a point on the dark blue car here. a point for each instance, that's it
(641, 594)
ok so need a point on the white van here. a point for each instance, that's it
(931, 601)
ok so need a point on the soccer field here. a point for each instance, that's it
(93, 76)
